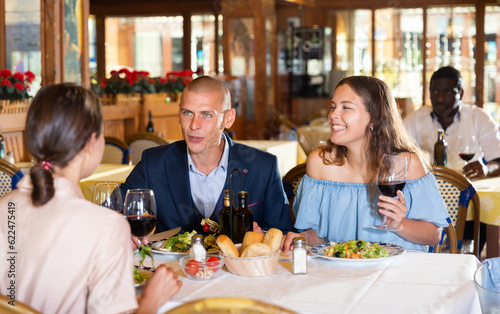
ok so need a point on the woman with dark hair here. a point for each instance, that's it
(71, 256)
(337, 198)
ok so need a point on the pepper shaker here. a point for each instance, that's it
(299, 256)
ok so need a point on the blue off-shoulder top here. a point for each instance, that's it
(342, 211)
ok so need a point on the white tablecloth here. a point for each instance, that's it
(409, 283)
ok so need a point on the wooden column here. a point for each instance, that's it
(2, 34)
(84, 59)
(186, 41)
(100, 28)
(51, 25)
(479, 53)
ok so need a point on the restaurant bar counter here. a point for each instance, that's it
(408, 283)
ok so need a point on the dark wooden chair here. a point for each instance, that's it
(291, 182)
(457, 192)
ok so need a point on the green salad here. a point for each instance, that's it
(141, 276)
(182, 242)
(355, 249)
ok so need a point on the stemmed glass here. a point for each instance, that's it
(391, 177)
(108, 195)
(466, 147)
(140, 211)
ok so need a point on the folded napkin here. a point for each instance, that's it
(491, 274)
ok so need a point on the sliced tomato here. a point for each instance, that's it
(192, 267)
(213, 261)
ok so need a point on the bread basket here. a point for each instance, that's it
(257, 266)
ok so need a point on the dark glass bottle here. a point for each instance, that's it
(225, 215)
(242, 218)
(440, 153)
(150, 127)
(2, 147)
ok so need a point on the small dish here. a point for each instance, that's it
(207, 270)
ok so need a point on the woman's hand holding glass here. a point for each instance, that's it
(391, 179)
(394, 209)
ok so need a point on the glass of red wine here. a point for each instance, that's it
(391, 177)
(140, 211)
(466, 147)
(108, 194)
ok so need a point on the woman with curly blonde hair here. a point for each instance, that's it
(337, 198)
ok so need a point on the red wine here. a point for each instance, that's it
(390, 189)
(466, 157)
(141, 226)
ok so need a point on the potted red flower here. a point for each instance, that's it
(15, 86)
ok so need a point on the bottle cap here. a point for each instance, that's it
(227, 193)
(299, 242)
(198, 238)
(242, 194)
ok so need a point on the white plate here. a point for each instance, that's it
(163, 252)
(392, 249)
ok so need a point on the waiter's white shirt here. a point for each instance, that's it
(469, 119)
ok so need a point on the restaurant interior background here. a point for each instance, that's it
(281, 58)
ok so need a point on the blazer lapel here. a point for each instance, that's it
(178, 181)
(237, 160)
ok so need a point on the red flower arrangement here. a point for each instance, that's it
(130, 82)
(124, 81)
(177, 81)
(15, 86)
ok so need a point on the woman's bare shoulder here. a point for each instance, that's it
(416, 167)
(316, 168)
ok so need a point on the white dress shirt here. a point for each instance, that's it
(206, 189)
(470, 119)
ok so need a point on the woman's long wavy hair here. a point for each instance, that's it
(60, 121)
(385, 134)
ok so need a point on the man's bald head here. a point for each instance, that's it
(210, 84)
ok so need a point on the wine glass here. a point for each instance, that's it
(140, 211)
(108, 195)
(391, 177)
(466, 147)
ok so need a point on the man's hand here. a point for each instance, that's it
(476, 170)
(256, 228)
(135, 242)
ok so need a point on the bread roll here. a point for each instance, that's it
(273, 239)
(226, 245)
(256, 249)
(251, 237)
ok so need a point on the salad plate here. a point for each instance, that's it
(391, 249)
(181, 242)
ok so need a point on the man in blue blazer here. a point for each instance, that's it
(189, 176)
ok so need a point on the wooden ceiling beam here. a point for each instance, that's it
(149, 7)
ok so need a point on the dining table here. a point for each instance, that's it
(114, 173)
(488, 191)
(411, 282)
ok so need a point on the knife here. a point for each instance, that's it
(164, 235)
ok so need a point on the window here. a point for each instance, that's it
(129, 39)
(22, 39)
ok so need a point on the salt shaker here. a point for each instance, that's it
(197, 251)
(299, 256)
